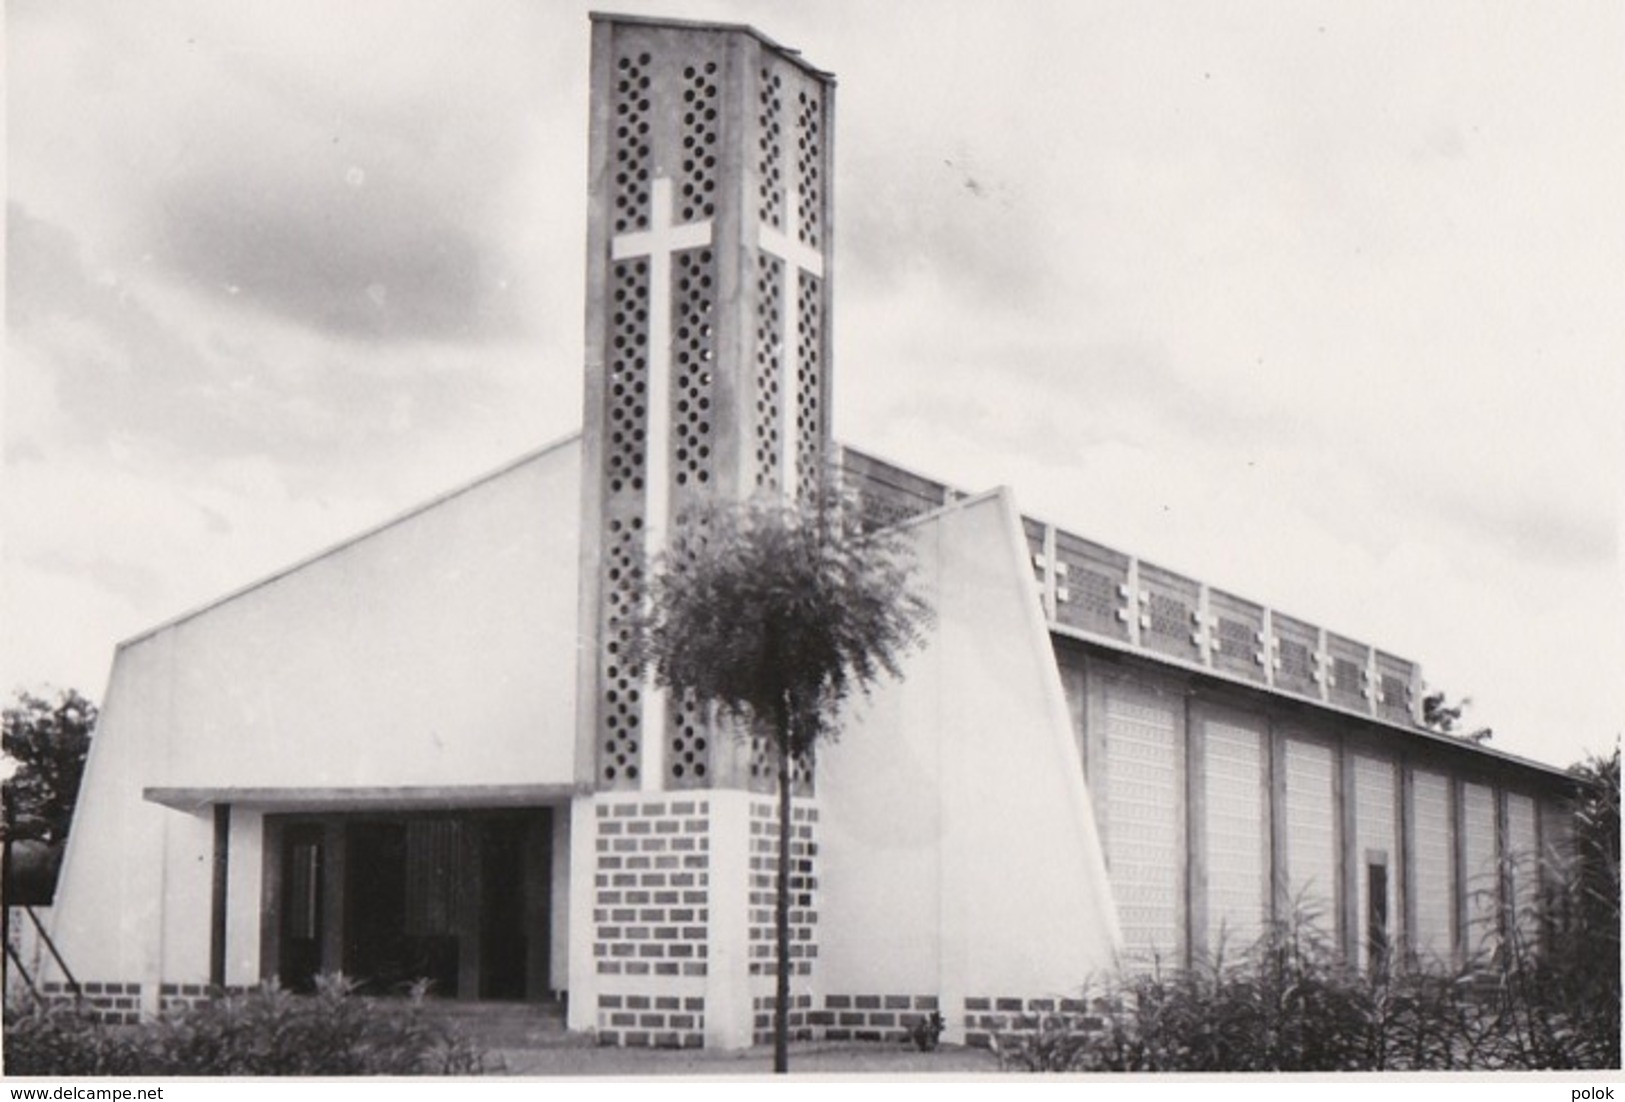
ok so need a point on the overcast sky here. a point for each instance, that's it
(1324, 304)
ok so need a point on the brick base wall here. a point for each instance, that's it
(652, 893)
(872, 1017)
(659, 1021)
(660, 872)
(764, 889)
(112, 1003)
(986, 1016)
(190, 996)
(801, 1015)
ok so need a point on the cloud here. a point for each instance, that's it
(358, 244)
(1538, 531)
(127, 357)
(317, 164)
(347, 261)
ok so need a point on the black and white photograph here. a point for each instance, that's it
(922, 542)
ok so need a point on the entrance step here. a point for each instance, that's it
(495, 1025)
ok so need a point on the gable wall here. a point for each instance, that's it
(436, 651)
(958, 850)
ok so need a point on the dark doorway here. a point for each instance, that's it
(458, 898)
(303, 866)
(403, 901)
(503, 944)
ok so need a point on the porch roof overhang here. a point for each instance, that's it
(363, 798)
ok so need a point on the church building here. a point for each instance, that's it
(422, 753)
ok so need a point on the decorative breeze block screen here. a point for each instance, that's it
(1034, 531)
(1145, 840)
(1295, 646)
(769, 408)
(1347, 676)
(1238, 876)
(1394, 678)
(1434, 846)
(620, 711)
(1169, 613)
(1237, 629)
(1311, 832)
(1091, 584)
(887, 494)
(693, 303)
(809, 384)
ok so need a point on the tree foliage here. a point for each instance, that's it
(777, 615)
(1438, 714)
(1575, 981)
(49, 740)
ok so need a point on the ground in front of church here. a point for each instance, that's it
(808, 1058)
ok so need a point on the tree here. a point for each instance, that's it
(49, 740)
(1585, 958)
(777, 615)
(1439, 715)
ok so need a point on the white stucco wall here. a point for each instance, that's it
(438, 650)
(244, 891)
(959, 854)
(106, 920)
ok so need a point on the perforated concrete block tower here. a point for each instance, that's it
(707, 373)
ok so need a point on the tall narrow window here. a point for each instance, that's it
(1236, 842)
(1434, 845)
(1480, 873)
(1375, 808)
(1376, 918)
(1145, 831)
(1522, 866)
(1311, 833)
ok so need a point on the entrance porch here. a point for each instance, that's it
(460, 898)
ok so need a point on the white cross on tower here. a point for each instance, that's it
(658, 243)
(798, 256)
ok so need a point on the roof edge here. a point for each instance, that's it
(1436, 738)
(789, 53)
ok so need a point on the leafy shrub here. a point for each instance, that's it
(1545, 995)
(1057, 1044)
(1554, 998)
(61, 1040)
(927, 1032)
(266, 1032)
(1289, 1003)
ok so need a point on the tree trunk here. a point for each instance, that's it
(781, 1013)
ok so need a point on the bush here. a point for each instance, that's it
(1289, 1003)
(1557, 1004)
(266, 1032)
(61, 1040)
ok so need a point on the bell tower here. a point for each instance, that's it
(708, 304)
(707, 375)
